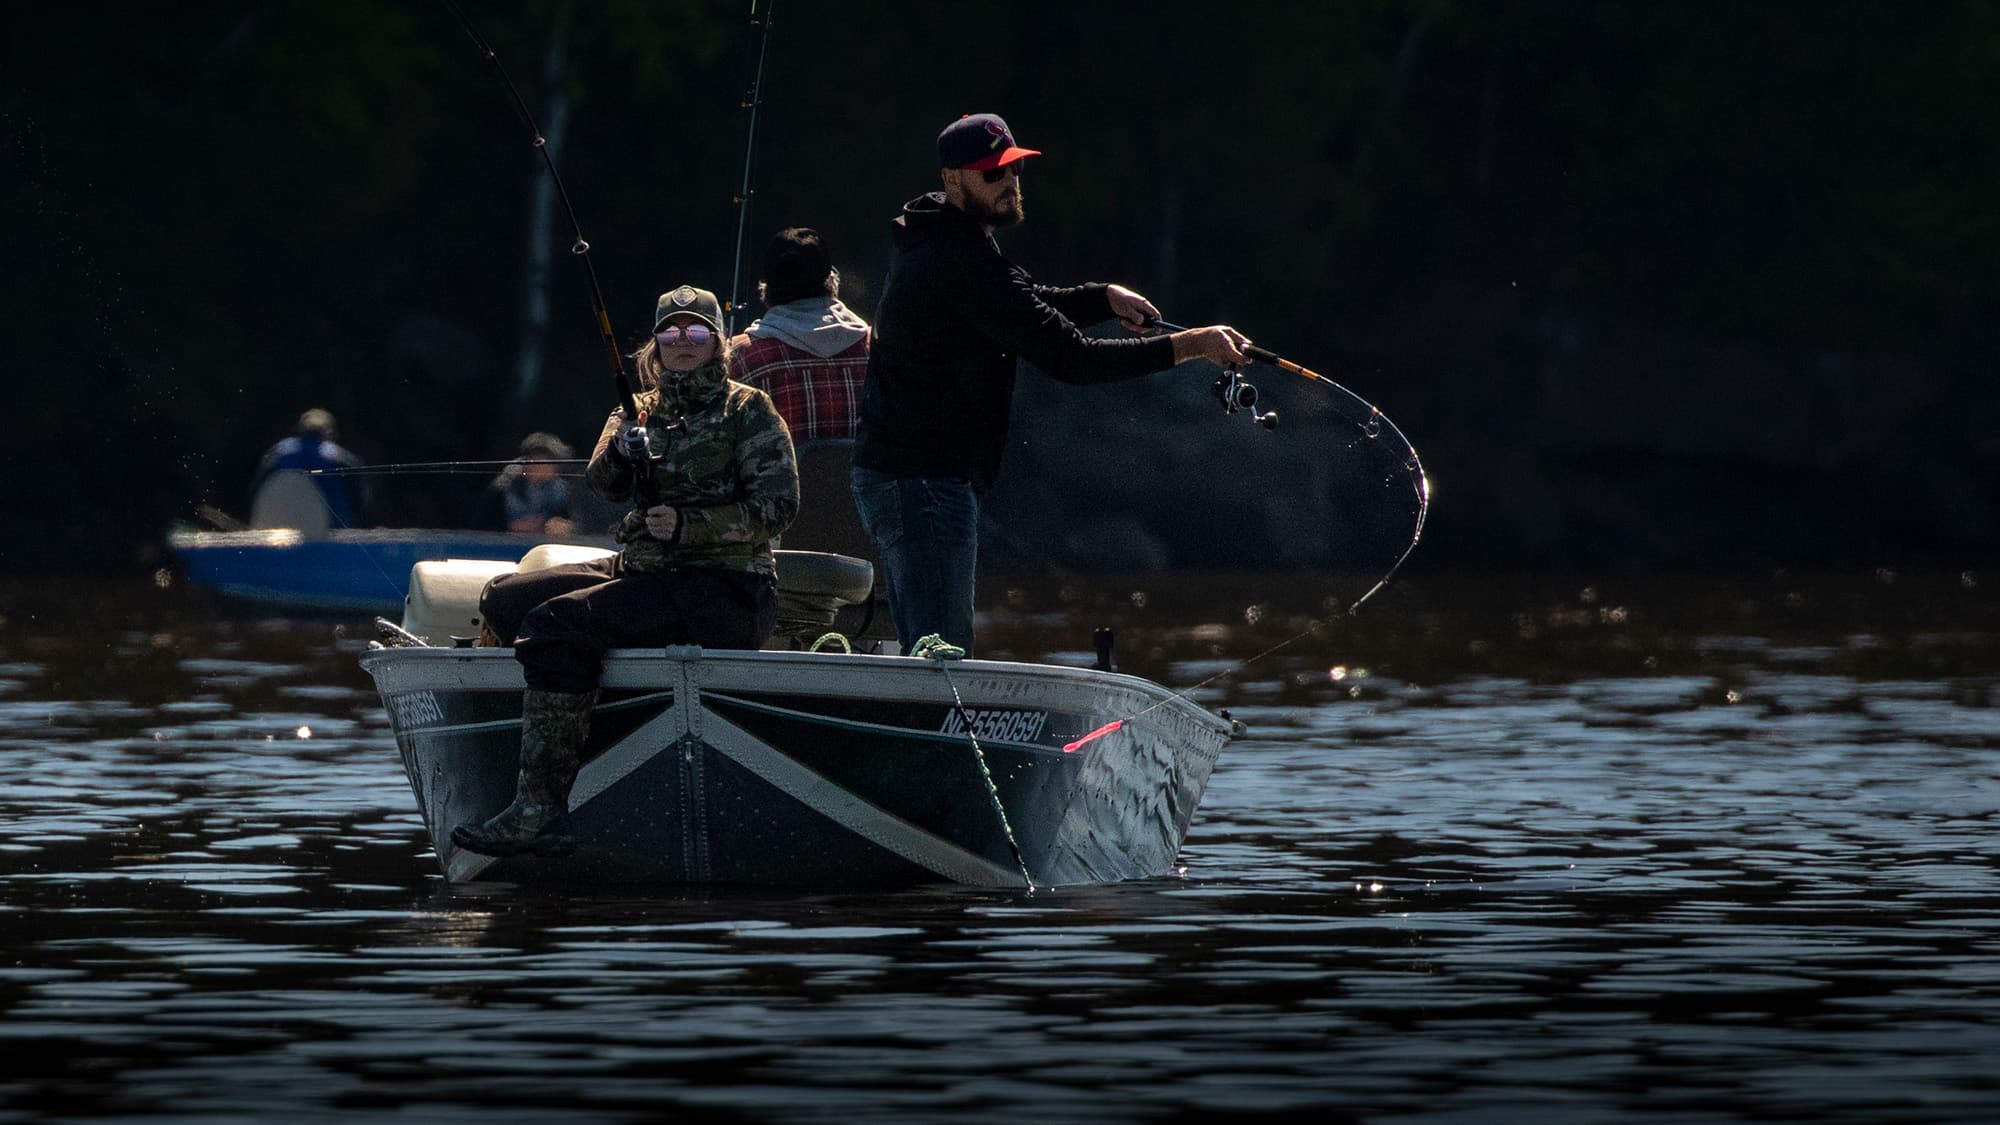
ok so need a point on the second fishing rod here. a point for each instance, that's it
(633, 437)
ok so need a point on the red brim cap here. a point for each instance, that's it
(1004, 156)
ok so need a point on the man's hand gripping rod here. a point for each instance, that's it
(1254, 352)
(1236, 392)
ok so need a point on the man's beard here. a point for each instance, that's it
(993, 217)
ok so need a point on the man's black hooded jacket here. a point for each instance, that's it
(954, 316)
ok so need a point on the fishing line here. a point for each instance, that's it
(441, 468)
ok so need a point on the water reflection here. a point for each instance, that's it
(1702, 859)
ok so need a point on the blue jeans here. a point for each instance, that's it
(926, 532)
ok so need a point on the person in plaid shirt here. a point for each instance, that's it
(809, 352)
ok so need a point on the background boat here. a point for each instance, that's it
(349, 571)
(290, 558)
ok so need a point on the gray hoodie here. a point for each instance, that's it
(819, 325)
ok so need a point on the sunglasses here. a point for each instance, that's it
(696, 334)
(995, 175)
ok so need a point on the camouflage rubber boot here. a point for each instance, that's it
(553, 726)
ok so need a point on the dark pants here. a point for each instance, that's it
(560, 620)
(926, 532)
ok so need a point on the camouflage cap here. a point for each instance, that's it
(687, 299)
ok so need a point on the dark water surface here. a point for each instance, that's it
(1692, 849)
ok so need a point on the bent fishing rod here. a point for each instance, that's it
(1237, 394)
(634, 436)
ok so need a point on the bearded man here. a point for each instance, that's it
(955, 314)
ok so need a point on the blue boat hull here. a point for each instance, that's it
(362, 572)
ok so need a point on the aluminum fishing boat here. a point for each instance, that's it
(800, 768)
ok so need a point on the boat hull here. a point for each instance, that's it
(813, 769)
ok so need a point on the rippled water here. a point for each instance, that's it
(1696, 850)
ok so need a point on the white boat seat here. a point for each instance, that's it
(443, 602)
(288, 498)
(545, 555)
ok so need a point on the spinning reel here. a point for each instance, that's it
(637, 444)
(1237, 393)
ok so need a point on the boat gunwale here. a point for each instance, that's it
(621, 663)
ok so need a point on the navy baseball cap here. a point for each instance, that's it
(979, 141)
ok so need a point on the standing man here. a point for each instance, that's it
(955, 315)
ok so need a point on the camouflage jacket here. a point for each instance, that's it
(723, 461)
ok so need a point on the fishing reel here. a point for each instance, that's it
(636, 443)
(1238, 394)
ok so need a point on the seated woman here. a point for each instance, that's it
(696, 567)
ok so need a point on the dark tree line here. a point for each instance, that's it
(1651, 286)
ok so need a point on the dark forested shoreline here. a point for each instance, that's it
(1649, 286)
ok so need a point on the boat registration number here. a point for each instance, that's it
(1000, 726)
(415, 709)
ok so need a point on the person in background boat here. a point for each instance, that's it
(696, 566)
(312, 448)
(808, 351)
(530, 495)
(954, 316)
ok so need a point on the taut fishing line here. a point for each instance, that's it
(449, 468)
